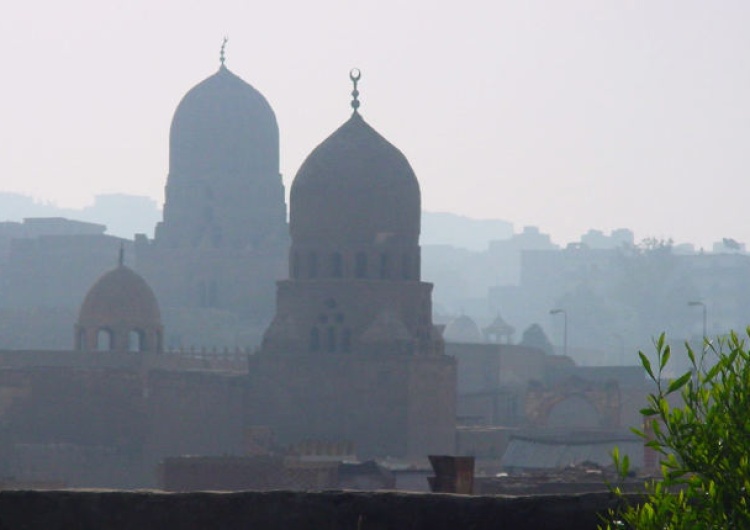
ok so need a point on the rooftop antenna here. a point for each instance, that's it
(222, 56)
(355, 75)
(121, 257)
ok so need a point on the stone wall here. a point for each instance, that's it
(109, 420)
(388, 405)
(32, 510)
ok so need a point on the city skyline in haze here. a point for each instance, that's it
(567, 116)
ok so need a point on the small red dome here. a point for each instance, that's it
(120, 296)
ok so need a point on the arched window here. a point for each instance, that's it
(136, 340)
(331, 339)
(337, 265)
(314, 339)
(384, 266)
(81, 340)
(312, 265)
(104, 340)
(360, 265)
(346, 340)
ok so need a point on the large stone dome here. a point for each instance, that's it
(224, 189)
(122, 305)
(223, 124)
(355, 188)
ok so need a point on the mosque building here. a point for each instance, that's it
(352, 352)
(351, 356)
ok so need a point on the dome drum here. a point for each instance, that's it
(120, 312)
(362, 263)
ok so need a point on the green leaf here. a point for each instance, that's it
(665, 358)
(691, 354)
(660, 342)
(679, 382)
(646, 364)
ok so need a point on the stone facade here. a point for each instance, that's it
(105, 419)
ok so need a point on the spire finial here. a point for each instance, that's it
(222, 56)
(355, 75)
(121, 257)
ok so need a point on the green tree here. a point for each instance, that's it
(704, 442)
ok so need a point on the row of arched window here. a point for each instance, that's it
(331, 339)
(383, 266)
(105, 340)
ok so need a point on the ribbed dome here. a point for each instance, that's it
(355, 188)
(223, 125)
(120, 296)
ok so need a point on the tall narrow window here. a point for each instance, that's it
(314, 339)
(384, 266)
(360, 265)
(135, 341)
(82, 344)
(331, 339)
(202, 295)
(104, 340)
(337, 265)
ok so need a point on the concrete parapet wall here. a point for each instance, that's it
(281, 510)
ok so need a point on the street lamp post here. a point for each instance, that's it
(703, 307)
(565, 327)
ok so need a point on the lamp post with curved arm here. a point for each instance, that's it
(565, 327)
(703, 307)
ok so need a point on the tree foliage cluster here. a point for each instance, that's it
(703, 442)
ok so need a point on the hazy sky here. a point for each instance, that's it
(568, 115)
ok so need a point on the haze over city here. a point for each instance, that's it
(567, 115)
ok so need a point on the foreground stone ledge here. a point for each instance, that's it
(283, 510)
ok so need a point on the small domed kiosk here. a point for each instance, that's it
(120, 312)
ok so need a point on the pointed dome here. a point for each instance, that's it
(223, 124)
(120, 312)
(355, 188)
(120, 295)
